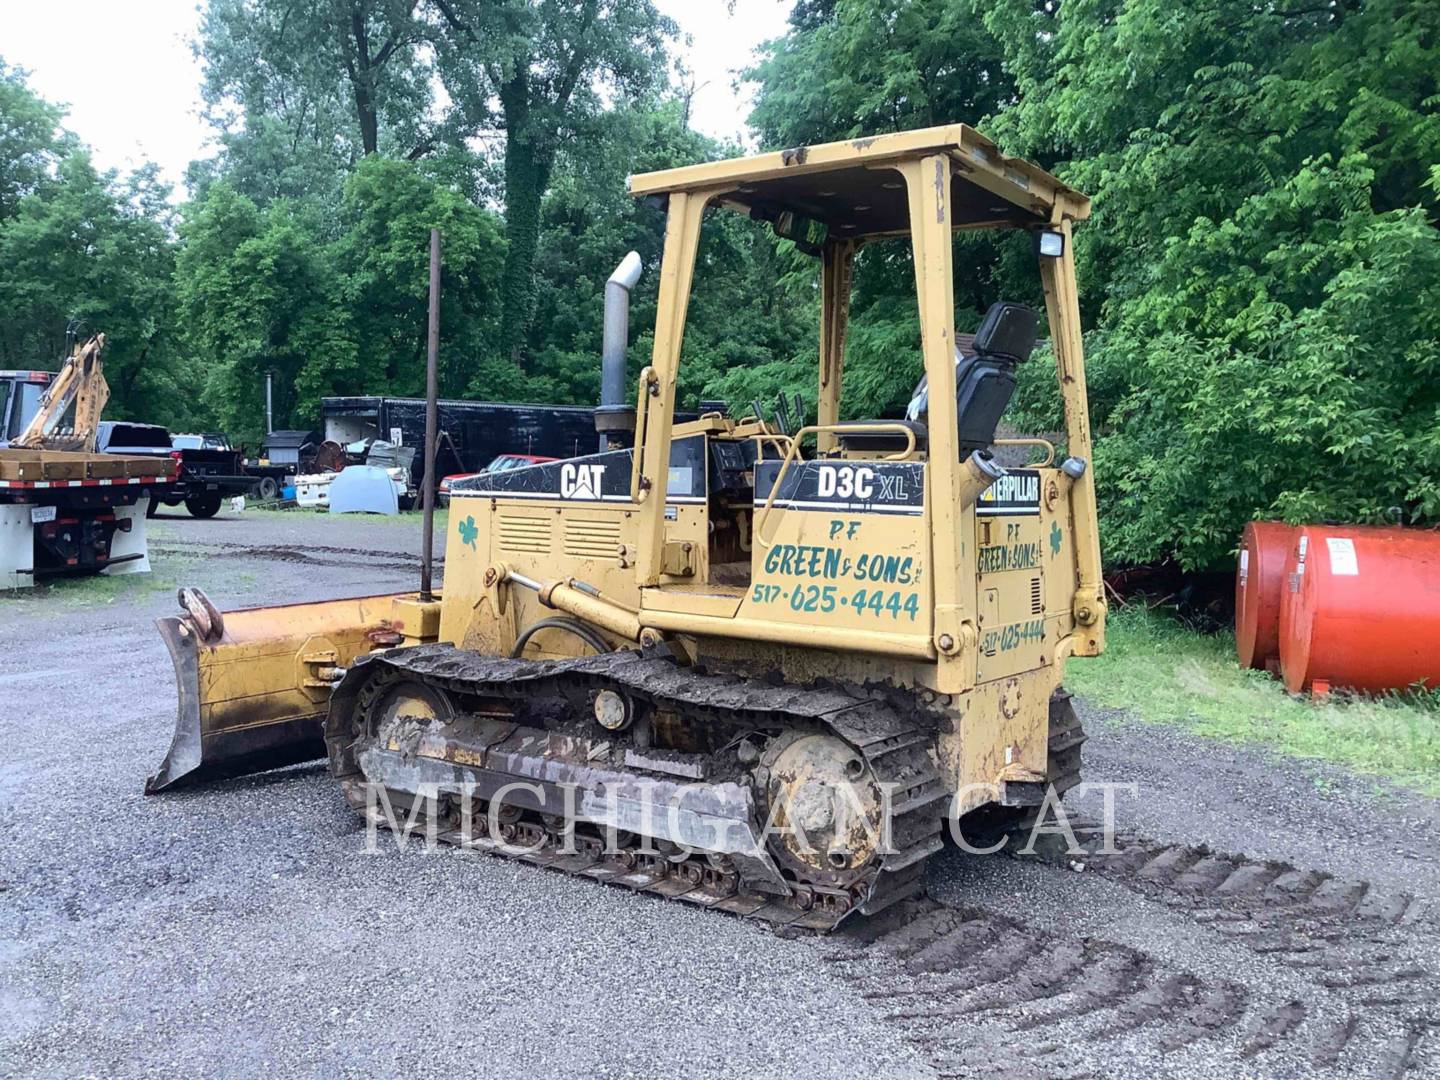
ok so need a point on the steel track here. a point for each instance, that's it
(895, 747)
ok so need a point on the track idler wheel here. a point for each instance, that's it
(825, 808)
(392, 700)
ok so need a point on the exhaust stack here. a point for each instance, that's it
(615, 418)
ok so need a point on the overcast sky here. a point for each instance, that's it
(126, 70)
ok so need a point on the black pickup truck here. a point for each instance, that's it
(208, 470)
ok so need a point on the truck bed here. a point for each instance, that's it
(45, 469)
(64, 513)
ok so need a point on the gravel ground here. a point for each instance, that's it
(243, 928)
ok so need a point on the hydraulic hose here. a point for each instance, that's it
(585, 633)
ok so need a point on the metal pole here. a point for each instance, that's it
(269, 401)
(432, 421)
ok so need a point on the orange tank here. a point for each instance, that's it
(1265, 549)
(1361, 609)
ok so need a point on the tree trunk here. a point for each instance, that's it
(527, 173)
(369, 121)
(362, 82)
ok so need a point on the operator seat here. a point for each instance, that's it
(984, 383)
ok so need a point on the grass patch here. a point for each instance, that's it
(406, 518)
(1160, 670)
(277, 509)
(100, 590)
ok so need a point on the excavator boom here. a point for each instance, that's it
(81, 383)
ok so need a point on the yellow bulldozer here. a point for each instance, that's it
(749, 668)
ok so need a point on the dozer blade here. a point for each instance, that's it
(254, 684)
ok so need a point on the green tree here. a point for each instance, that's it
(32, 142)
(94, 248)
(384, 255)
(258, 291)
(76, 243)
(849, 68)
(300, 91)
(864, 67)
(1258, 172)
(544, 63)
(262, 288)
(1257, 274)
(740, 315)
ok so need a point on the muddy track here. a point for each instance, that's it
(1306, 919)
(311, 554)
(983, 994)
(891, 745)
(942, 972)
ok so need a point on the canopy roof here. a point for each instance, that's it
(847, 186)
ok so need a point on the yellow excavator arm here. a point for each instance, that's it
(81, 383)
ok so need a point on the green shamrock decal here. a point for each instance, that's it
(468, 531)
(1055, 535)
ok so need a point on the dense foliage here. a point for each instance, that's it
(543, 62)
(1260, 278)
(1263, 266)
(332, 306)
(1261, 273)
(77, 243)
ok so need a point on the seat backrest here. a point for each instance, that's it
(985, 382)
(985, 374)
(1007, 333)
(983, 387)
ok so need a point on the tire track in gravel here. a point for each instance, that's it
(983, 994)
(1361, 945)
(309, 554)
(947, 965)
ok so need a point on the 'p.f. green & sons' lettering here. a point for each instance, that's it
(831, 563)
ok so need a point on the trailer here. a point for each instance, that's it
(65, 513)
(472, 433)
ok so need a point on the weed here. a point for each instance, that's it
(1158, 670)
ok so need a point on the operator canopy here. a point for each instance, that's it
(851, 189)
(856, 190)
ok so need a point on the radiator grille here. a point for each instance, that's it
(521, 533)
(591, 538)
(1037, 597)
